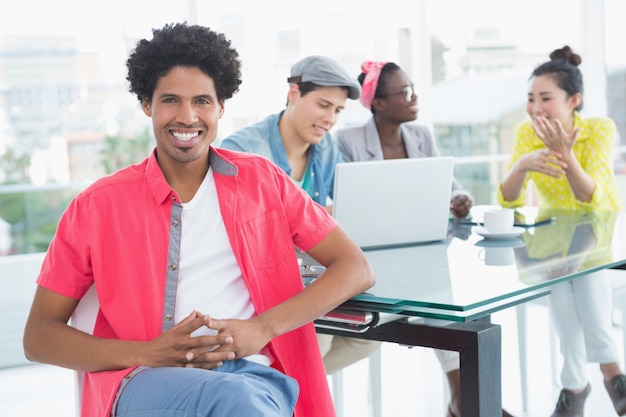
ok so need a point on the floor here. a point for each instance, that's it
(412, 382)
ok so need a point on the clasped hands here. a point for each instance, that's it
(178, 348)
(559, 145)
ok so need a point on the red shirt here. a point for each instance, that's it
(122, 233)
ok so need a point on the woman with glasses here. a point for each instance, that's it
(387, 91)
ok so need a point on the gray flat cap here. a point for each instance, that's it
(324, 71)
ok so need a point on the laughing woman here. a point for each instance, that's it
(569, 159)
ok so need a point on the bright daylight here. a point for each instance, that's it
(340, 208)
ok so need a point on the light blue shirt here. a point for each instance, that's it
(264, 138)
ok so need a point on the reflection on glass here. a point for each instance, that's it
(574, 241)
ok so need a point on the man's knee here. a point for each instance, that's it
(240, 395)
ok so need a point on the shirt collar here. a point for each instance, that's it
(279, 154)
(161, 190)
(156, 180)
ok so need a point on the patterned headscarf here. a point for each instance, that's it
(371, 69)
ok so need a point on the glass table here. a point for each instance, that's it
(441, 295)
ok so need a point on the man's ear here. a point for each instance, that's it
(293, 93)
(145, 105)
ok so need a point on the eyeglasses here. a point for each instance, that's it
(407, 92)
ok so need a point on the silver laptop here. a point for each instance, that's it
(394, 202)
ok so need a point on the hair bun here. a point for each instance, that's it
(566, 54)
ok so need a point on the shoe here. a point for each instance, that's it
(504, 413)
(570, 404)
(617, 391)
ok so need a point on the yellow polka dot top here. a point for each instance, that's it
(593, 150)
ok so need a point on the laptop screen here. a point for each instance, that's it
(393, 202)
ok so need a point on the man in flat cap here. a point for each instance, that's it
(298, 140)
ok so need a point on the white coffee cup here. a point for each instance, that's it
(498, 220)
(497, 256)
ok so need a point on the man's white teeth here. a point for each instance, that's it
(184, 136)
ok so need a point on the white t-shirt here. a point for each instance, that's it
(209, 278)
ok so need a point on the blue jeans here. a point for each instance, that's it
(238, 388)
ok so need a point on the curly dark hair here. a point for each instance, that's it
(185, 45)
(563, 68)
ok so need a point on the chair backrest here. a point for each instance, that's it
(84, 318)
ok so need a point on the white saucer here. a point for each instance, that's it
(515, 232)
(500, 243)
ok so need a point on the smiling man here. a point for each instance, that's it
(192, 256)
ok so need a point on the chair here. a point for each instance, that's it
(84, 318)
